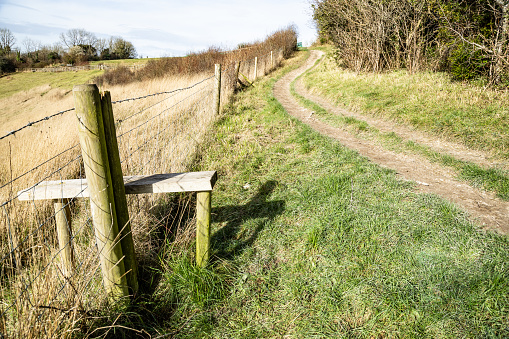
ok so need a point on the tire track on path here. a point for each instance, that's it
(484, 207)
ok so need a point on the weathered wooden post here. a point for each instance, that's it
(203, 208)
(256, 69)
(117, 178)
(271, 60)
(64, 235)
(237, 70)
(95, 158)
(217, 89)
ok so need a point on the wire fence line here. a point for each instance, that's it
(39, 295)
(78, 68)
(30, 124)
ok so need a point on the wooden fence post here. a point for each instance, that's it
(95, 158)
(217, 89)
(203, 209)
(237, 70)
(64, 234)
(256, 69)
(117, 178)
(271, 60)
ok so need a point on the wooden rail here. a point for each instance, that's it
(136, 184)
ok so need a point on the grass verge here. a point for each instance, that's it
(491, 179)
(312, 240)
(475, 116)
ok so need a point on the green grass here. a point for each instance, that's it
(491, 179)
(312, 240)
(18, 82)
(467, 113)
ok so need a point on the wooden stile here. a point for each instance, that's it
(135, 184)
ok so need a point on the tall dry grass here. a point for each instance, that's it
(156, 134)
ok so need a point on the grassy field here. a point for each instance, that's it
(312, 240)
(18, 82)
(473, 115)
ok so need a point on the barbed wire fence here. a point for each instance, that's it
(156, 133)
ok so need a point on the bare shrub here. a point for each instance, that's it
(376, 35)
(199, 62)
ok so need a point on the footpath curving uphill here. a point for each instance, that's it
(484, 207)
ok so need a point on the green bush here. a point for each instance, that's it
(467, 63)
(7, 65)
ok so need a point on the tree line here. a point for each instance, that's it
(76, 46)
(467, 38)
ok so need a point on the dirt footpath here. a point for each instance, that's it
(484, 207)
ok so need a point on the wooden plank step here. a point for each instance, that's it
(136, 184)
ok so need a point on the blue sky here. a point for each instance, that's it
(158, 28)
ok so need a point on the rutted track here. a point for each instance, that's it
(484, 207)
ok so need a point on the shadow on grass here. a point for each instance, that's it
(152, 310)
(237, 234)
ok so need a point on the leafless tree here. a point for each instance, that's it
(375, 35)
(101, 45)
(78, 36)
(7, 40)
(31, 46)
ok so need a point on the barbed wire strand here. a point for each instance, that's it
(160, 93)
(175, 92)
(160, 132)
(164, 111)
(139, 147)
(30, 124)
(36, 122)
(38, 166)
